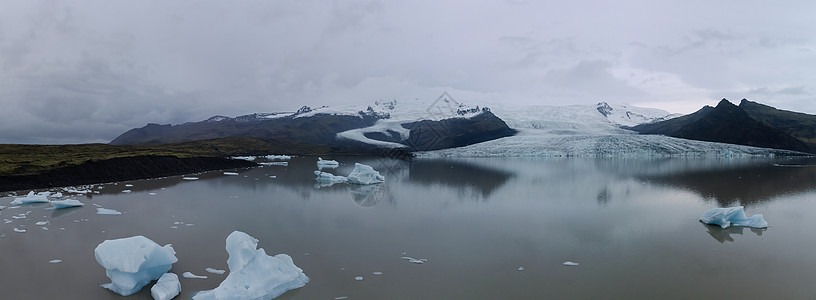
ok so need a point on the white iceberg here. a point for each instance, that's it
(168, 287)
(107, 211)
(732, 216)
(329, 178)
(192, 276)
(570, 263)
(32, 198)
(190, 178)
(60, 204)
(278, 157)
(254, 274)
(231, 173)
(215, 271)
(131, 263)
(275, 163)
(326, 163)
(363, 174)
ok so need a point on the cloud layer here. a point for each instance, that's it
(86, 71)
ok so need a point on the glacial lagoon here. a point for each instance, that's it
(483, 228)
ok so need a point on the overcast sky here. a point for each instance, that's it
(88, 70)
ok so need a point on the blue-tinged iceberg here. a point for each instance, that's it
(329, 178)
(60, 204)
(732, 216)
(363, 174)
(131, 263)
(31, 197)
(168, 287)
(327, 163)
(253, 274)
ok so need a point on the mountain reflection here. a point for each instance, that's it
(458, 174)
(742, 181)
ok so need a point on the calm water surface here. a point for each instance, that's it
(631, 224)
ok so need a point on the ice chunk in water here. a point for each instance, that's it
(570, 263)
(107, 211)
(363, 174)
(166, 288)
(191, 275)
(231, 173)
(327, 163)
(215, 271)
(253, 273)
(190, 178)
(732, 216)
(323, 177)
(131, 263)
(59, 204)
(31, 197)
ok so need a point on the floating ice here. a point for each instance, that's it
(59, 204)
(230, 173)
(278, 157)
(107, 211)
(274, 163)
(190, 178)
(32, 198)
(126, 191)
(414, 260)
(131, 263)
(363, 174)
(41, 223)
(57, 195)
(253, 273)
(2, 207)
(329, 178)
(326, 163)
(732, 216)
(570, 263)
(341, 298)
(215, 271)
(193, 276)
(152, 194)
(20, 216)
(75, 191)
(19, 230)
(521, 268)
(273, 177)
(168, 287)
(358, 278)
(377, 273)
(54, 261)
(128, 185)
(249, 158)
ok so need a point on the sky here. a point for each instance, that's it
(88, 70)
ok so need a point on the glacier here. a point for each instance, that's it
(253, 274)
(131, 263)
(168, 287)
(732, 216)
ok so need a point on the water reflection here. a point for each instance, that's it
(458, 174)
(367, 195)
(724, 235)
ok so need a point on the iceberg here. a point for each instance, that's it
(168, 287)
(60, 204)
(275, 163)
(278, 157)
(107, 211)
(31, 197)
(732, 216)
(231, 173)
(131, 263)
(253, 274)
(570, 263)
(327, 163)
(192, 276)
(329, 178)
(215, 271)
(363, 174)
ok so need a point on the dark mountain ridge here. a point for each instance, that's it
(726, 123)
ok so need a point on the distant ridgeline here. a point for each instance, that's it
(750, 124)
(321, 126)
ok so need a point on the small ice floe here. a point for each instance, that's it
(107, 211)
(19, 230)
(6, 221)
(521, 268)
(570, 263)
(131, 263)
(215, 271)
(56, 195)
(54, 261)
(44, 228)
(732, 216)
(126, 191)
(128, 185)
(2, 207)
(190, 178)
(75, 191)
(168, 287)
(41, 223)
(60, 204)
(20, 216)
(193, 276)
(278, 157)
(358, 278)
(275, 163)
(363, 174)
(341, 298)
(174, 227)
(32, 198)
(2, 235)
(254, 274)
(152, 194)
(273, 176)
(377, 273)
(414, 260)
(231, 173)
(327, 163)
(329, 178)
(249, 158)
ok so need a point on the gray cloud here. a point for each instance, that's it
(80, 71)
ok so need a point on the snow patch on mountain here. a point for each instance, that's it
(627, 115)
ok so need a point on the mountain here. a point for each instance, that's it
(799, 125)
(725, 123)
(411, 126)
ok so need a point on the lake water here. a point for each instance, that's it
(632, 225)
